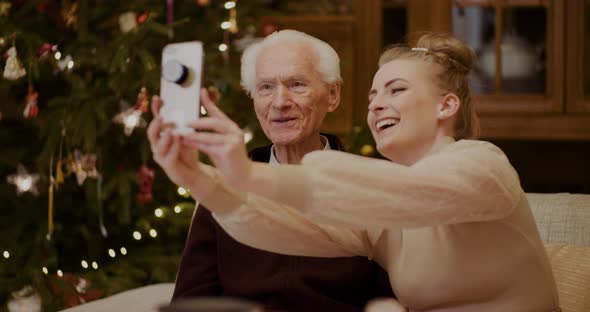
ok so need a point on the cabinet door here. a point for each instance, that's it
(339, 32)
(578, 60)
(520, 49)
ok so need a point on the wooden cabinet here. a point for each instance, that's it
(533, 75)
(578, 57)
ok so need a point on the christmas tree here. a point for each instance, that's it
(85, 212)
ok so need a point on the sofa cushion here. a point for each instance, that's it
(562, 218)
(571, 268)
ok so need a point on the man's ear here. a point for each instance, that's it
(449, 106)
(333, 96)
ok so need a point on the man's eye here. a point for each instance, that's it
(265, 87)
(298, 84)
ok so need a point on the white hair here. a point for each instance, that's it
(327, 62)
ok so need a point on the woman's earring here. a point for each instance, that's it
(441, 114)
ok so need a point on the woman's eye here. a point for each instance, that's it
(396, 90)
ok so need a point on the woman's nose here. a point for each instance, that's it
(376, 104)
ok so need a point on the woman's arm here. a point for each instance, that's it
(464, 182)
(265, 224)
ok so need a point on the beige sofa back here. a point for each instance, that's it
(564, 224)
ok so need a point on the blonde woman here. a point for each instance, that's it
(445, 215)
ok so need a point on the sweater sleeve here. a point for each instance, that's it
(466, 181)
(266, 224)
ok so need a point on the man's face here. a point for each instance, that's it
(290, 98)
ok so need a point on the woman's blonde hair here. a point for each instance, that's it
(456, 60)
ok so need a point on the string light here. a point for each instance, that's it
(58, 55)
(153, 233)
(94, 265)
(226, 25)
(123, 251)
(203, 111)
(137, 235)
(60, 273)
(230, 5)
(45, 271)
(182, 191)
(223, 47)
(84, 264)
(6, 254)
(112, 253)
(70, 64)
(177, 209)
(159, 212)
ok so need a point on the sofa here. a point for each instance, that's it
(564, 225)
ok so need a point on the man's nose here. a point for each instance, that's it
(281, 97)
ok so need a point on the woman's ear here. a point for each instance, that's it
(333, 96)
(449, 106)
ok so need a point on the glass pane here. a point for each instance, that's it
(395, 21)
(524, 50)
(475, 25)
(586, 49)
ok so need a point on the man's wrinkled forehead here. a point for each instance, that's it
(285, 59)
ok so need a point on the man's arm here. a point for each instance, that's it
(197, 274)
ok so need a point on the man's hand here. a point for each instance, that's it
(179, 161)
(223, 143)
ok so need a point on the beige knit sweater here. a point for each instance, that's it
(454, 230)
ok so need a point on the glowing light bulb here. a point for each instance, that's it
(153, 233)
(84, 264)
(159, 212)
(45, 271)
(230, 5)
(123, 251)
(112, 253)
(177, 209)
(226, 25)
(222, 47)
(6, 254)
(60, 273)
(137, 235)
(182, 191)
(58, 55)
(94, 265)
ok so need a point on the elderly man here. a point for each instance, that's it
(294, 80)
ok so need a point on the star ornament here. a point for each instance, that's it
(82, 165)
(24, 181)
(130, 118)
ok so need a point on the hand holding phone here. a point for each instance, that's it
(182, 66)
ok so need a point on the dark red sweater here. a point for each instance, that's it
(214, 264)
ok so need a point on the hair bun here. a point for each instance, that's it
(450, 46)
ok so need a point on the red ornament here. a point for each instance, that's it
(31, 107)
(145, 177)
(143, 17)
(143, 102)
(269, 28)
(73, 290)
(45, 49)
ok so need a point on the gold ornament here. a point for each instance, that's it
(69, 13)
(5, 7)
(14, 69)
(367, 150)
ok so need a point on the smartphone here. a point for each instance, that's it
(182, 67)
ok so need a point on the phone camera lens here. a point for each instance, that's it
(174, 71)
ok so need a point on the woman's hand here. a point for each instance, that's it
(223, 143)
(180, 162)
